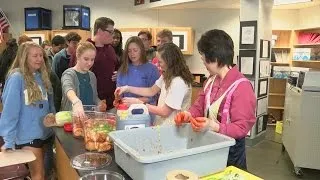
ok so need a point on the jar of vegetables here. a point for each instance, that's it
(96, 129)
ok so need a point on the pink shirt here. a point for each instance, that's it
(155, 61)
(242, 109)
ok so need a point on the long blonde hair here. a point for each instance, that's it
(20, 64)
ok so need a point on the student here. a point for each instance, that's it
(58, 43)
(227, 104)
(117, 44)
(79, 84)
(61, 60)
(105, 63)
(46, 45)
(174, 84)
(27, 99)
(136, 71)
(146, 38)
(164, 36)
(6, 59)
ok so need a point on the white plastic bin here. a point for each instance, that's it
(150, 153)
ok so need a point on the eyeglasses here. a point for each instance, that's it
(109, 31)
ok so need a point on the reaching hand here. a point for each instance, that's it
(78, 111)
(202, 124)
(130, 100)
(102, 106)
(182, 117)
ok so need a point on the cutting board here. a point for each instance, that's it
(16, 157)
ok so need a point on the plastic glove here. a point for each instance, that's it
(182, 117)
(201, 124)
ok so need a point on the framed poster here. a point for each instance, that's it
(261, 123)
(247, 61)
(37, 40)
(264, 68)
(262, 87)
(129, 32)
(265, 48)
(248, 35)
(138, 2)
(262, 106)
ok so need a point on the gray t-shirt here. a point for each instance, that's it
(69, 81)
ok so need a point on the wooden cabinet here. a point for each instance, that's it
(39, 36)
(277, 90)
(63, 32)
(129, 32)
(182, 37)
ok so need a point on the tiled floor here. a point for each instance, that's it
(266, 160)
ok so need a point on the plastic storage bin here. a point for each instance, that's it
(37, 18)
(138, 117)
(150, 153)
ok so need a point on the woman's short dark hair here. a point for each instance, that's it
(217, 46)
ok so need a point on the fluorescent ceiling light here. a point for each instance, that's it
(282, 2)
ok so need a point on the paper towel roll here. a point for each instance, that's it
(181, 175)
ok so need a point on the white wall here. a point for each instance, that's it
(285, 19)
(121, 12)
(309, 17)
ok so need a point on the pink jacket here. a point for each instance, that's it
(242, 109)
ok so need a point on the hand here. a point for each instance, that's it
(202, 124)
(5, 149)
(102, 106)
(78, 111)
(182, 117)
(129, 100)
(49, 120)
(114, 76)
(121, 90)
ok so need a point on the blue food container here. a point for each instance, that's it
(37, 18)
(76, 17)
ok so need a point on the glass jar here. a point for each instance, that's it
(77, 123)
(96, 128)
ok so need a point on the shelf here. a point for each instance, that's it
(279, 64)
(316, 44)
(281, 48)
(306, 61)
(276, 107)
(277, 94)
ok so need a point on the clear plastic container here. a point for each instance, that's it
(91, 161)
(77, 123)
(96, 128)
(102, 175)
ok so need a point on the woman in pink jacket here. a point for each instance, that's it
(227, 104)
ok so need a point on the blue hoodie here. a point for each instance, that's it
(22, 122)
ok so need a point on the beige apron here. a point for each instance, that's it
(212, 110)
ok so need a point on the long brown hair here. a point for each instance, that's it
(20, 62)
(125, 57)
(176, 64)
